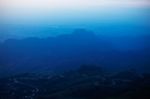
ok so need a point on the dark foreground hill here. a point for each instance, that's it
(87, 82)
(66, 52)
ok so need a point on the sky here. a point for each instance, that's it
(74, 13)
(53, 10)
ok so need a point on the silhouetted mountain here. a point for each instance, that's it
(66, 52)
(86, 82)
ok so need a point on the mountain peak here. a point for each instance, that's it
(83, 33)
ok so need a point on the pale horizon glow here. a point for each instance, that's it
(56, 4)
(36, 9)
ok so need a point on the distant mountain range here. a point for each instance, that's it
(69, 51)
(21, 31)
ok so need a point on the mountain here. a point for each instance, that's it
(66, 52)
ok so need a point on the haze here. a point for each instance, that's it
(66, 15)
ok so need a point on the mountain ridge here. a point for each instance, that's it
(67, 52)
